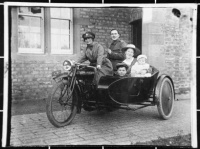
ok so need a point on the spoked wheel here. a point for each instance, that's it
(166, 98)
(60, 108)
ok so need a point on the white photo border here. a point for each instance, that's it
(6, 55)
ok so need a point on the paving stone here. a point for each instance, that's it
(69, 137)
(46, 136)
(120, 139)
(33, 141)
(116, 128)
(97, 141)
(30, 135)
(123, 143)
(20, 132)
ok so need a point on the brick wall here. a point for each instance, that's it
(31, 79)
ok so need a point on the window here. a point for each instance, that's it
(32, 30)
(61, 30)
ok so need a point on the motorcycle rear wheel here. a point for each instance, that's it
(61, 109)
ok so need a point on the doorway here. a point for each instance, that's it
(136, 33)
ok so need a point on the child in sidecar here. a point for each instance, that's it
(121, 70)
(141, 68)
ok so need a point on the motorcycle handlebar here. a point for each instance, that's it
(94, 68)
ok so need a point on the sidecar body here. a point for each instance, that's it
(129, 89)
(147, 91)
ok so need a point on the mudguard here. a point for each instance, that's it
(156, 90)
(59, 76)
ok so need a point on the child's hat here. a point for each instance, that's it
(122, 65)
(141, 56)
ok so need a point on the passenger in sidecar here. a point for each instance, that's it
(121, 70)
(128, 89)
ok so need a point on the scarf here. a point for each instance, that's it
(89, 46)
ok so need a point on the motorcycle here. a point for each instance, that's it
(75, 90)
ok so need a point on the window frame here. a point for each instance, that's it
(32, 50)
(70, 50)
(46, 33)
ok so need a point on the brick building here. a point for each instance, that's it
(42, 38)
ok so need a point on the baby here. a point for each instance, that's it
(140, 68)
(122, 69)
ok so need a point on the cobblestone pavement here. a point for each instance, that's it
(120, 127)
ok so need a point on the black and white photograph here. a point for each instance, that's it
(86, 74)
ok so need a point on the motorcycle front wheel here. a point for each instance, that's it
(60, 108)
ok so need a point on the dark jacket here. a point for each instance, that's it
(95, 53)
(116, 56)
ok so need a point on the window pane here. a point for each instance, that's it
(23, 40)
(24, 9)
(60, 42)
(64, 42)
(55, 12)
(60, 30)
(64, 26)
(29, 32)
(30, 10)
(60, 26)
(55, 41)
(35, 41)
(35, 25)
(55, 26)
(23, 21)
(63, 13)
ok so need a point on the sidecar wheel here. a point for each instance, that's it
(61, 112)
(166, 98)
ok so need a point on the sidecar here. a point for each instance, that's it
(134, 93)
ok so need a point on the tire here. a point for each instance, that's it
(61, 112)
(166, 98)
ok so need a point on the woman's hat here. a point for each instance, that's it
(88, 35)
(141, 56)
(132, 46)
(121, 65)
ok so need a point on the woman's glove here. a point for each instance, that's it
(108, 51)
(99, 67)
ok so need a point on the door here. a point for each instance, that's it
(136, 27)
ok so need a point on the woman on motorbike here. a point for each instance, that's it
(96, 54)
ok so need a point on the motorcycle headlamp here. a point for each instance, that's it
(67, 65)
